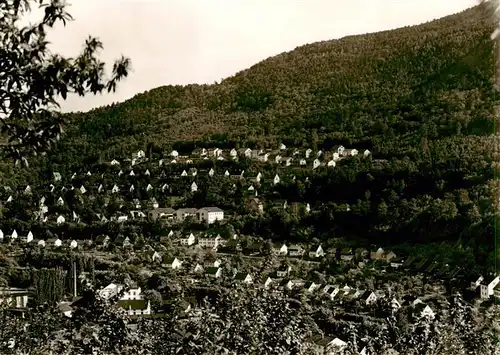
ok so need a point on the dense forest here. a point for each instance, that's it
(420, 98)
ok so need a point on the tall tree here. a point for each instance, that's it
(32, 79)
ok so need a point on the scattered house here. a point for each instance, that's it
(198, 269)
(283, 271)
(73, 244)
(331, 291)
(276, 179)
(174, 154)
(14, 297)
(115, 189)
(102, 240)
(54, 242)
(488, 285)
(311, 286)
(316, 163)
(316, 252)
(280, 249)
(421, 310)
(188, 240)
(350, 152)
(326, 344)
(115, 162)
(194, 187)
(213, 272)
(123, 241)
(41, 243)
(209, 215)
(282, 146)
(171, 262)
(243, 278)
(368, 298)
(136, 307)
(246, 152)
(154, 255)
(233, 153)
(296, 251)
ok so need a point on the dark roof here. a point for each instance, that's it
(212, 270)
(122, 240)
(241, 276)
(133, 304)
(101, 238)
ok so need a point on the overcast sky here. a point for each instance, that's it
(202, 41)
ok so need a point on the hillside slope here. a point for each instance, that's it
(421, 98)
(433, 80)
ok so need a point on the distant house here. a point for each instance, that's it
(194, 187)
(102, 240)
(243, 278)
(296, 251)
(73, 244)
(276, 179)
(421, 310)
(326, 344)
(246, 152)
(171, 262)
(369, 297)
(123, 241)
(283, 271)
(488, 285)
(316, 252)
(136, 307)
(331, 291)
(14, 297)
(280, 249)
(311, 286)
(187, 240)
(213, 272)
(54, 242)
(209, 215)
(154, 255)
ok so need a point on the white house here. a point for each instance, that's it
(14, 235)
(316, 252)
(172, 263)
(149, 187)
(110, 291)
(308, 153)
(488, 285)
(211, 172)
(188, 240)
(132, 294)
(280, 249)
(209, 215)
(83, 189)
(115, 189)
(174, 154)
(194, 187)
(366, 153)
(233, 152)
(282, 146)
(276, 179)
(131, 173)
(73, 244)
(28, 238)
(57, 176)
(60, 201)
(60, 220)
(115, 162)
(331, 163)
(316, 163)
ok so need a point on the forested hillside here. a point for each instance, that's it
(433, 81)
(420, 98)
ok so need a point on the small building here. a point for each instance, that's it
(213, 272)
(171, 262)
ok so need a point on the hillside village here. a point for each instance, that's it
(174, 252)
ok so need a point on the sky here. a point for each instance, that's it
(179, 42)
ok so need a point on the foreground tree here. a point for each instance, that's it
(32, 79)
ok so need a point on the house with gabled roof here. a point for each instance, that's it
(187, 240)
(182, 213)
(280, 249)
(213, 272)
(102, 240)
(488, 285)
(123, 241)
(326, 344)
(296, 251)
(316, 252)
(283, 271)
(243, 277)
(422, 310)
(331, 291)
(311, 286)
(171, 262)
(166, 214)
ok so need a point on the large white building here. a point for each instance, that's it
(209, 215)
